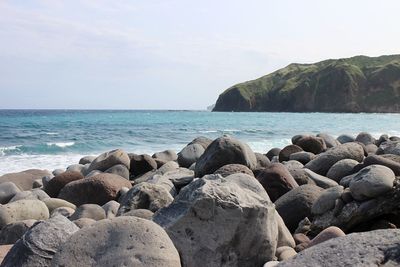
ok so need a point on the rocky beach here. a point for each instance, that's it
(320, 201)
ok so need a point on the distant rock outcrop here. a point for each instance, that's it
(357, 84)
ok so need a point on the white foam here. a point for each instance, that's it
(17, 163)
(7, 148)
(62, 144)
(52, 133)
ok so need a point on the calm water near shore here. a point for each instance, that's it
(56, 138)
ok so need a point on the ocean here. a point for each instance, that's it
(50, 139)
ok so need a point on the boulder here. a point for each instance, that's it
(276, 180)
(54, 186)
(57, 171)
(302, 157)
(141, 164)
(120, 170)
(375, 248)
(121, 241)
(38, 244)
(23, 210)
(345, 138)
(179, 177)
(14, 231)
(341, 169)
(201, 140)
(222, 151)
(284, 154)
(91, 211)
(84, 222)
(63, 211)
(98, 189)
(166, 155)
(326, 234)
(145, 196)
(329, 140)
(292, 164)
(371, 149)
(365, 138)
(311, 144)
(295, 205)
(31, 194)
(321, 181)
(229, 169)
(379, 160)
(273, 152)
(262, 161)
(141, 213)
(326, 201)
(54, 203)
(162, 180)
(371, 182)
(111, 208)
(216, 221)
(389, 147)
(190, 154)
(109, 159)
(301, 176)
(76, 168)
(25, 179)
(87, 159)
(7, 191)
(383, 138)
(326, 160)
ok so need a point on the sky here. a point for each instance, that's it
(173, 54)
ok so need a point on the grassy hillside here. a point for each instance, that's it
(367, 84)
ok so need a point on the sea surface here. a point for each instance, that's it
(50, 139)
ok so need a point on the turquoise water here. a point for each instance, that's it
(56, 138)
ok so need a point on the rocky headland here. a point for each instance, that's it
(357, 84)
(321, 201)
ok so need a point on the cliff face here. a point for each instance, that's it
(357, 84)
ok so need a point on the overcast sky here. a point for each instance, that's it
(173, 54)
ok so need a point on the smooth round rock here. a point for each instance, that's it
(25, 179)
(7, 191)
(121, 241)
(229, 169)
(326, 201)
(262, 161)
(53, 203)
(23, 210)
(295, 205)
(345, 138)
(201, 140)
(372, 181)
(166, 155)
(54, 186)
(273, 152)
(111, 208)
(87, 159)
(141, 213)
(341, 169)
(284, 154)
(98, 189)
(190, 154)
(63, 211)
(326, 234)
(276, 180)
(109, 159)
(141, 164)
(84, 222)
(91, 211)
(365, 138)
(120, 170)
(222, 151)
(302, 157)
(311, 144)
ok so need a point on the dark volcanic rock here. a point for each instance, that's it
(284, 154)
(222, 151)
(311, 144)
(141, 164)
(273, 152)
(295, 205)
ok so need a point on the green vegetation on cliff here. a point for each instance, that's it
(357, 84)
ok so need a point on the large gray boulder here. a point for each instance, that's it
(216, 221)
(368, 249)
(324, 161)
(145, 196)
(371, 182)
(389, 147)
(109, 159)
(38, 245)
(190, 154)
(14, 231)
(122, 241)
(341, 169)
(222, 151)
